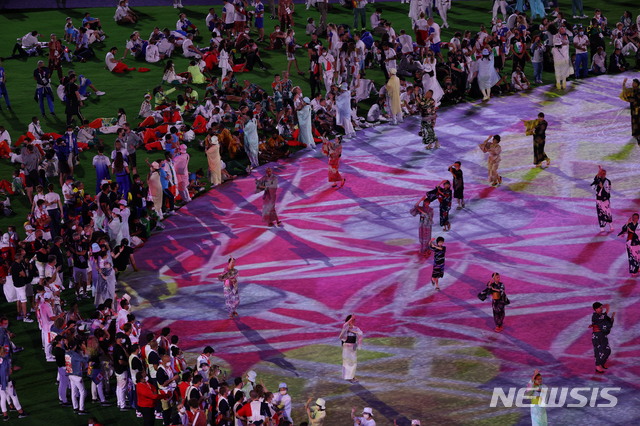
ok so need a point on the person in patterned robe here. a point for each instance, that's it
(427, 107)
(601, 325)
(231, 295)
(333, 150)
(498, 300)
(439, 250)
(630, 230)
(603, 194)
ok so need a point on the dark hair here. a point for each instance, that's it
(439, 239)
(596, 305)
(348, 318)
(497, 137)
(208, 350)
(541, 114)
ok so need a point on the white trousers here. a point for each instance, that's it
(9, 394)
(121, 389)
(78, 392)
(502, 5)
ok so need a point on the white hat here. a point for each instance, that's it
(123, 202)
(95, 247)
(29, 228)
(485, 52)
(48, 295)
(306, 100)
(251, 375)
(344, 86)
(368, 410)
(321, 403)
(282, 385)
(415, 422)
(116, 211)
(393, 71)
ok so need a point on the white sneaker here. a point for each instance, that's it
(100, 93)
(83, 98)
(180, 5)
(27, 320)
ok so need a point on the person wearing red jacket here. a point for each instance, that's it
(147, 396)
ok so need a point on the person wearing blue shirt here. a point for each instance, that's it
(7, 391)
(94, 23)
(76, 364)
(3, 88)
(167, 196)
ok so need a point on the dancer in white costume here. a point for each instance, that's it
(351, 337)
(443, 6)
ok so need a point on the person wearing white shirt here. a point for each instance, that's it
(405, 41)
(166, 46)
(210, 20)
(152, 54)
(4, 135)
(581, 43)
(35, 129)
(283, 401)
(113, 64)
(189, 50)
(389, 58)
(228, 16)
(26, 45)
(361, 51)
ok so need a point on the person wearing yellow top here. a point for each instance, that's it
(196, 74)
(537, 391)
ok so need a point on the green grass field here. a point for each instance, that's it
(35, 382)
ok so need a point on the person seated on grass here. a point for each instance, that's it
(136, 45)
(95, 35)
(166, 45)
(152, 53)
(276, 38)
(197, 77)
(113, 64)
(185, 25)
(27, 45)
(171, 77)
(94, 23)
(189, 50)
(70, 31)
(519, 80)
(83, 51)
(124, 15)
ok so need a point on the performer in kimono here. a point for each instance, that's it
(231, 295)
(458, 183)
(492, 146)
(632, 95)
(333, 150)
(424, 231)
(439, 250)
(498, 300)
(538, 129)
(537, 392)
(603, 194)
(212, 149)
(630, 230)
(351, 337)
(393, 93)
(251, 141)
(601, 325)
(561, 64)
(487, 74)
(269, 184)
(444, 197)
(427, 107)
(304, 121)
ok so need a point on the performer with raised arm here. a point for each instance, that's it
(601, 325)
(603, 194)
(351, 337)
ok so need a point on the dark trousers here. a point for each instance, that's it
(498, 311)
(167, 197)
(148, 416)
(56, 218)
(601, 349)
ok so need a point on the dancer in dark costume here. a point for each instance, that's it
(603, 194)
(601, 325)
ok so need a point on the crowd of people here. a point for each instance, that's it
(80, 238)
